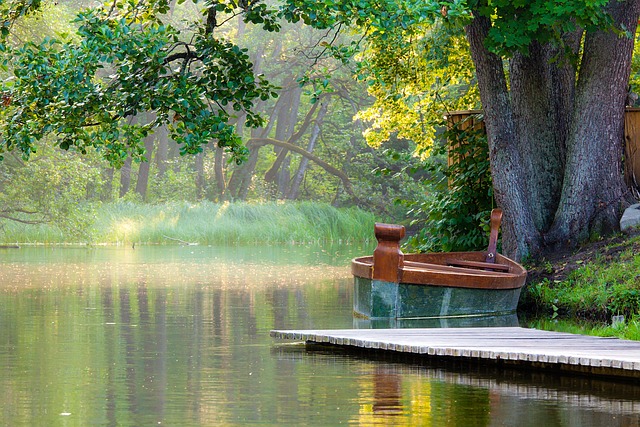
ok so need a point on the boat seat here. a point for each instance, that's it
(413, 265)
(477, 264)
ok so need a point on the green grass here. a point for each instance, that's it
(629, 329)
(14, 233)
(206, 223)
(597, 290)
(606, 283)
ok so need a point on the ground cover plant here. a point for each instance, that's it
(587, 290)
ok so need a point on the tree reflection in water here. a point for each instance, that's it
(176, 336)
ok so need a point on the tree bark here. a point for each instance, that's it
(143, 171)
(542, 93)
(520, 236)
(593, 193)
(294, 190)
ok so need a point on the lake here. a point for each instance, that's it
(179, 336)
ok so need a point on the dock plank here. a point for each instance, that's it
(521, 346)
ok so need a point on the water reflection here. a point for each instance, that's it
(448, 394)
(503, 320)
(387, 393)
(179, 336)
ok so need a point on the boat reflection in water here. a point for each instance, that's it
(502, 320)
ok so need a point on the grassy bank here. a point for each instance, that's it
(629, 329)
(204, 223)
(588, 287)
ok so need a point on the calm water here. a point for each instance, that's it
(179, 336)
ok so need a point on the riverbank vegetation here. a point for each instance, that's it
(628, 329)
(594, 289)
(205, 223)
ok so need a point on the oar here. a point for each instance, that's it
(496, 219)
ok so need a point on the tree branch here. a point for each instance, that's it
(324, 165)
(23, 221)
(273, 170)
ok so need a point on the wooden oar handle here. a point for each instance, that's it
(387, 257)
(496, 219)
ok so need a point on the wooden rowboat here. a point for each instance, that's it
(391, 284)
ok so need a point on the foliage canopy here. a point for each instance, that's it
(126, 58)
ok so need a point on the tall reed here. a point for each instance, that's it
(210, 224)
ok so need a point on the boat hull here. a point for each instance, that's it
(429, 288)
(376, 299)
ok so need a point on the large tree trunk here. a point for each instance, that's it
(520, 236)
(555, 151)
(542, 96)
(593, 193)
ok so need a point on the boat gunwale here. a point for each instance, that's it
(444, 275)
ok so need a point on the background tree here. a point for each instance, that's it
(88, 75)
(553, 81)
(126, 59)
(53, 187)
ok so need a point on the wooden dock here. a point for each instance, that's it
(510, 346)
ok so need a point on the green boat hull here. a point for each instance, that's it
(377, 299)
